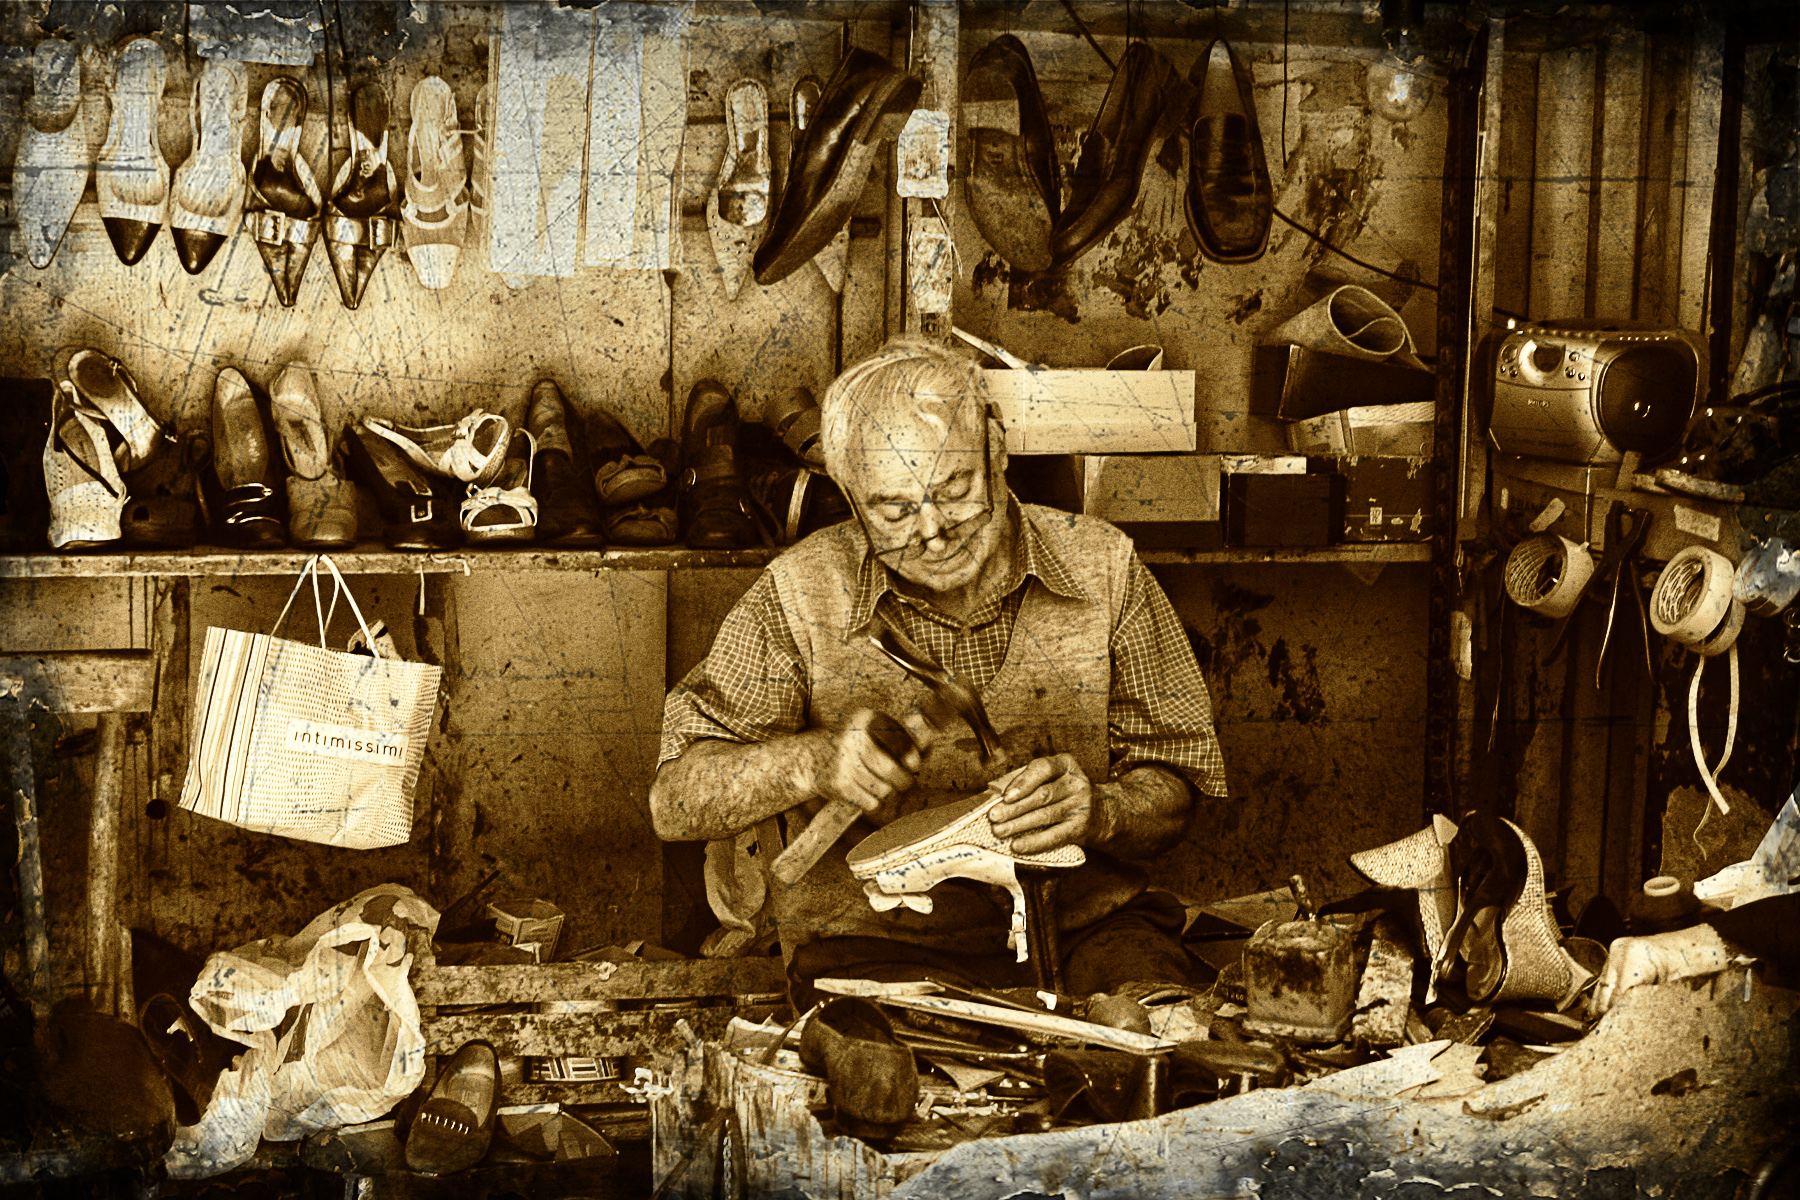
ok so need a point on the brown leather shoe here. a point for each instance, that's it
(1104, 186)
(1230, 202)
(1014, 190)
(568, 510)
(870, 1078)
(715, 504)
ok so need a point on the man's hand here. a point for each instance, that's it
(1049, 803)
(856, 766)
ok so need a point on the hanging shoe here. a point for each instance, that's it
(358, 227)
(321, 498)
(738, 208)
(206, 205)
(1014, 187)
(131, 179)
(107, 390)
(283, 208)
(418, 509)
(505, 511)
(1230, 202)
(865, 102)
(651, 521)
(473, 450)
(436, 213)
(803, 105)
(250, 513)
(1104, 186)
(794, 418)
(51, 170)
(568, 509)
(716, 508)
(87, 494)
(623, 470)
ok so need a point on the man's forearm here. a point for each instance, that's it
(1142, 813)
(717, 789)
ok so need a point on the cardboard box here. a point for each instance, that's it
(1164, 501)
(1338, 435)
(1387, 499)
(524, 922)
(1296, 382)
(1283, 510)
(1095, 412)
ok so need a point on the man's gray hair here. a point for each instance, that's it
(889, 383)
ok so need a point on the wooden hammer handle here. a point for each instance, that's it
(830, 822)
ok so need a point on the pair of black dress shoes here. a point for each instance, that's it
(1013, 186)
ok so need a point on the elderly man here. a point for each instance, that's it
(1078, 656)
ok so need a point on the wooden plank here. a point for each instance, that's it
(1663, 156)
(934, 59)
(1472, 453)
(79, 681)
(103, 865)
(599, 981)
(170, 633)
(1616, 238)
(30, 861)
(1511, 263)
(1706, 87)
(559, 1035)
(1562, 183)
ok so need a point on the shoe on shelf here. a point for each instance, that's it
(455, 1126)
(86, 493)
(283, 207)
(435, 216)
(716, 507)
(568, 509)
(792, 499)
(250, 513)
(358, 227)
(206, 205)
(321, 497)
(504, 511)
(870, 1078)
(418, 509)
(131, 179)
(1104, 186)
(473, 450)
(803, 105)
(51, 170)
(865, 102)
(108, 391)
(1014, 187)
(737, 210)
(794, 418)
(624, 471)
(650, 521)
(1230, 202)
(163, 511)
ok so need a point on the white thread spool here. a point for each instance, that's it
(1548, 573)
(1692, 601)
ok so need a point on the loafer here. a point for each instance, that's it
(716, 506)
(53, 163)
(652, 521)
(1104, 186)
(321, 497)
(1230, 203)
(282, 210)
(359, 227)
(206, 204)
(1014, 188)
(568, 509)
(454, 1128)
(131, 179)
(623, 470)
(870, 1078)
(250, 515)
(866, 101)
(418, 509)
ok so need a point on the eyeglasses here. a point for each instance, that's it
(894, 527)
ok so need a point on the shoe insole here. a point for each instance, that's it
(240, 444)
(134, 171)
(301, 432)
(206, 184)
(55, 86)
(1486, 954)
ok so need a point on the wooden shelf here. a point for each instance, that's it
(373, 560)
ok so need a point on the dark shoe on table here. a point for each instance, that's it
(870, 1078)
(568, 509)
(1104, 187)
(716, 508)
(651, 521)
(455, 1126)
(1015, 191)
(1230, 203)
(623, 470)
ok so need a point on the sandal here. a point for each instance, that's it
(716, 505)
(321, 499)
(249, 511)
(418, 508)
(506, 511)
(738, 208)
(358, 230)
(436, 213)
(131, 178)
(794, 418)
(652, 520)
(81, 479)
(283, 207)
(797, 502)
(625, 472)
(108, 391)
(51, 170)
(473, 450)
(207, 202)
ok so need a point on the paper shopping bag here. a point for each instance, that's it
(307, 742)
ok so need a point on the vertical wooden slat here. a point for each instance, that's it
(103, 863)
(453, 865)
(1621, 125)
(1705, 85)
(1517, 131)
(1664, 157)
(1562, 183)
(935, 25)
(144, 835)
(30, 858)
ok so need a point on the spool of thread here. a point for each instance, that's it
(1692, 601)
(1547, 574)
(1665, 900)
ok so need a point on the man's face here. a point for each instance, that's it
(927, 496)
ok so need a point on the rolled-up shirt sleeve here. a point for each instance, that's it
(749, 688)
(1159, 711)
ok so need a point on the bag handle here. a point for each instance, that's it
(339, 587)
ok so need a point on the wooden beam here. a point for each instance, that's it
(1695, 185)
(1563, 182)
(79, 681)
(103, 865)
(934, 36)
(1616, 242)
(31, 860)
(599, 981)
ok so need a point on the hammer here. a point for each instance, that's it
(829, 824)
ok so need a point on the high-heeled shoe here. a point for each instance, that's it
(283, 208)
(81, 479)
(206, 204)
(321, 499)
(131, 179)
(358, 227)
(737, 209)
(106, 389)
(1504, 928)
(250, 513)
(418, 510)
(51, 170)
(472, 450)
(435, 216)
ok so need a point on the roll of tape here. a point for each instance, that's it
(1548, 573)
(1693, 596)
(1726, 635)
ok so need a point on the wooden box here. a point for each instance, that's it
(1164, 501)
(1094, 412)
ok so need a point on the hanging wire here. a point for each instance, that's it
(1086, 33)
(1430, 287)
(1284, 85)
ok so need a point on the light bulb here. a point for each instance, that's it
(1397, 86)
